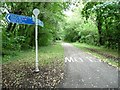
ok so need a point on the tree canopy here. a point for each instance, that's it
(94, 23)
(16, 36)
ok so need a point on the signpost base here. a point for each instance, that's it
(36, 71)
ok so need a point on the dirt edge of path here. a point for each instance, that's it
(25, 77)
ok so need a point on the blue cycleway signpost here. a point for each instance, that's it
(20, 19)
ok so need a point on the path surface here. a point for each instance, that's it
(82, 70)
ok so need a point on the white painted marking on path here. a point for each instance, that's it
(75, 60)
(89, 59)
(81, 59)
(69, 60)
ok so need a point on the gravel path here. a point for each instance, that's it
(83, 70)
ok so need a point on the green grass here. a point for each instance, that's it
(47, 54)
(114, 53)
(19, 69)
(0, 45)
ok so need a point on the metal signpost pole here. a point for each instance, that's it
(14, 18)
(36, 12)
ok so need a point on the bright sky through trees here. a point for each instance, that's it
(75, 4)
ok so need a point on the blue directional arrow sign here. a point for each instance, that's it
(14, 18)
(39, 21)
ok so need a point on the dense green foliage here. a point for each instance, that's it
(95, 23)
(78, 29)
(17, 36)
(99, 27)
(107, 20)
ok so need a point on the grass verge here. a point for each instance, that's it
(46, 55)
(113, 53)
(18, 71)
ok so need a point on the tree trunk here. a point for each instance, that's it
(99, 26)
(9, 27)
(14, 25)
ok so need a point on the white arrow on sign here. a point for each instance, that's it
(8, 18)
